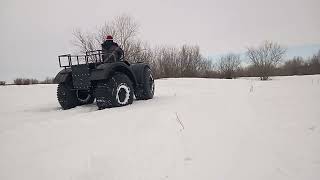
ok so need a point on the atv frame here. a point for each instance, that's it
(87, 77)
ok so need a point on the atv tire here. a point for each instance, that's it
(115, 92)
(147, 90)
(84, 97)
(66, 97)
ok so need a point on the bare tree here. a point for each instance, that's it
(180, 62)
(164, 61)
(168, 62)
(25, 81)
(293, 66)
(314, 63)
(124, 30)
(265, 58)
(228, 65)
(85, 42)
(205, 68)
(189, 61)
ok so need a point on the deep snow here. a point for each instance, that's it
(192, 129)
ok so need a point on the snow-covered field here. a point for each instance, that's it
(193, 129)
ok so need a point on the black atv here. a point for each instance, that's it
(87, 77)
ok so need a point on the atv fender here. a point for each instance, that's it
(104, 71)
(62, 76)
(138, 70)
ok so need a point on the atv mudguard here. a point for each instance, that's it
(138, 70)
(62, 76)
(104, 71)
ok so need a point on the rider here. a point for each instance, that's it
(111, 50)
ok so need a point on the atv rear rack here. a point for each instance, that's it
(89, 58)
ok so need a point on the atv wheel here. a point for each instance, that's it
(117, 91)
(84, 97)
(66, 97)
(147, 89)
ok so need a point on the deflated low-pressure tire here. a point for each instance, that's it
(117, 91)
(67, 97)
(147, 90)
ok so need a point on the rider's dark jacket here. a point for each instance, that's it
(111, 51)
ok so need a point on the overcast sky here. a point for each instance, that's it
(34, 32)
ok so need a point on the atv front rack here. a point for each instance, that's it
(68, 60)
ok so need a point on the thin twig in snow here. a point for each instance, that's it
(251, 87)
(180, 122)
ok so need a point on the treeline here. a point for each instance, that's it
(166, 62)
(300, 66)
(187, 61)
(263, 61)
(290, 67)
(28, 81)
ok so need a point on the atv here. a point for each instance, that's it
(86, 78)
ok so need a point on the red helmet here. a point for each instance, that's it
(109, 37)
